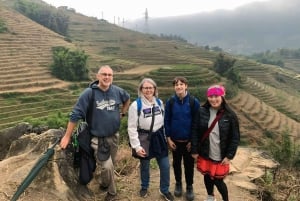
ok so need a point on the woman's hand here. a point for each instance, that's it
(195, 156)
(225, 161)
(142, 153)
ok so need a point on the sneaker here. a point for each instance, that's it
(143, 193)
(189, 193)
(110, 197)
(178, 189)
(210, 198)
(167, 196)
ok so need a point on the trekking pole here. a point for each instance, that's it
(35, 170)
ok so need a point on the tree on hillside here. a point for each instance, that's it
(233, 74)
(223, 63)
(173, 37)
(69, 65)
(268, 58)
(55, 20)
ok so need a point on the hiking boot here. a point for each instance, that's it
(103, 188)
(167, 196)
(143, 193)
(189, 193)
(178, 189)
(110, 197)
(210, 198)
(83, 192)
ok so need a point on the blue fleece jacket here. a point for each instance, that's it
(178, 119)
(105, 120)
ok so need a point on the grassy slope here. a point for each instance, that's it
(268, 100)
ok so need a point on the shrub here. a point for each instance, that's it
(53, 121)
(69, 65)
(285, 152)
(269, 134)
(124, 139)
(3, 27)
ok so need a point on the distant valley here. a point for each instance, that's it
(256, 27)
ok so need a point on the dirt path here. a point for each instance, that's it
(34, 89)
(236, 193)
(141, 69)
(247, 165)
(57, 181)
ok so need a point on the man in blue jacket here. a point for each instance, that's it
(179, 112)
(104, 123)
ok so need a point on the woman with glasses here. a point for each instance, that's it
(146, 115)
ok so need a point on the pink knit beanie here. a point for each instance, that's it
(215, 90)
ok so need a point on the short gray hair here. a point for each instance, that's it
(103, 67)
(151, 81)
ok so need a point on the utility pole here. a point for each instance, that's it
(146, 21)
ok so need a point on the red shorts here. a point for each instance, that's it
(212, 168)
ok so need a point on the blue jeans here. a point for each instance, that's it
(164, 168)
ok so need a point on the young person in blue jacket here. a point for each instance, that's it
(108, 103)
(179, 112)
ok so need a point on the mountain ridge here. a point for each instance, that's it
(267, 102)
(125, 49)
(255, 27)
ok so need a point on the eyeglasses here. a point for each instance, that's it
(148, 88)
(106, 74)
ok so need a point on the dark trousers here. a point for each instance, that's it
(220, 184)
(188, 163)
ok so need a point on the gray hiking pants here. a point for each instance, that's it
(105, 169)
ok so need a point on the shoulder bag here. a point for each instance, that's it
(144, 137)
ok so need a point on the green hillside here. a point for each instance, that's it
(267, 100)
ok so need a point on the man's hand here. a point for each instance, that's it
(64, 142)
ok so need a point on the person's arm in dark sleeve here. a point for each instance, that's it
(235, 138)
(195, 132)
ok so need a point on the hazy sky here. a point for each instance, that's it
(132, 9)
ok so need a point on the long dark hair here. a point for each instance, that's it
(224, 106)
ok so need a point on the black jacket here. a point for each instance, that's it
(229, 133)
(87, 160)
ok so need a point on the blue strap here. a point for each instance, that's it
(139, 104)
